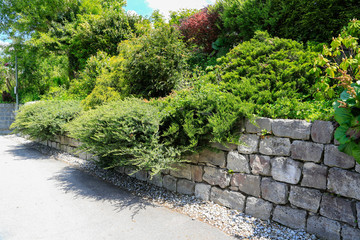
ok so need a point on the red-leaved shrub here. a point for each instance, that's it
(201, 29)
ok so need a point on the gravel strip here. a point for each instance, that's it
(230, 221)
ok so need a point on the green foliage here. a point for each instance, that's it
(125, 133)
(177, 16)
(267, 72)
(340, 63)
(85, 83)
(153, 63)
(193, 117)
(44, 120)
(100, 95)
(301, 20)
(109, 84)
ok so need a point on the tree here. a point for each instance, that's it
(77, 29)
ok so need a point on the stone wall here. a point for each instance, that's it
(293, 175)
(7, 117)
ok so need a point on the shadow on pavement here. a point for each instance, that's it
(26, 151)
(84, 185)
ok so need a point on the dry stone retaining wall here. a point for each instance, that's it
(7, 116)
(293, 175)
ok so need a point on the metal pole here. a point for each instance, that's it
(16, 86)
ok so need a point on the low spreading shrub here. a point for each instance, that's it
(44, 120)
(193, 117)
(124, 133)
(266, 72)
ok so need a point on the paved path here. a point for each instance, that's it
(41, 198)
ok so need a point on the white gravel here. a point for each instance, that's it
(230, 221)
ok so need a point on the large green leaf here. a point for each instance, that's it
(343, 116)
(340, 135)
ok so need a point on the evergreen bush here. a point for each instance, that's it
(125, 133)
(44, 120)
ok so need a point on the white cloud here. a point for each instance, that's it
(173, 5)
(2, 46)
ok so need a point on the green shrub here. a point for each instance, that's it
(193, 117)
(44, 120)
(301, 20)
(124, 133)
(95, 66)
(108, 86)
(265, 71)
(153, 63)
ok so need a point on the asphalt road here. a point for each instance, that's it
(42, 198)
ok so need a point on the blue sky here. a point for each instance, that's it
(146, 7)
(139, 6)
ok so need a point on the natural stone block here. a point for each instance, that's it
(305, 198)
(235, 189)
(262, 123)
(237, 162)
(156, 180)
(64, 140)
(344, 182)
(216, 176)
(357, 167)
(338, 209)
(63, 147)
(181, 170)
(202, 191)
(323, 227)
(294, 218)
(260, 165)
(275, 146)
(169, 182)
(248, 184)
(334, 158)
(285, 170)
(249, 143)
(230, 199)
(307, 151)
(54, 145)
(73, 142)
(196, 173)
(193, 158)
(314, 176)
(349, 233)
(358, 213)
(258, 208)
(141, 175)
(322, 131)
(274, 191)
(295, 129)
(185, 187)
(214, 158)
(224, 147)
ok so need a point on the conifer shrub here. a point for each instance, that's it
(204, 113)
(266, 72)
(125, 133)
(44, 120)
